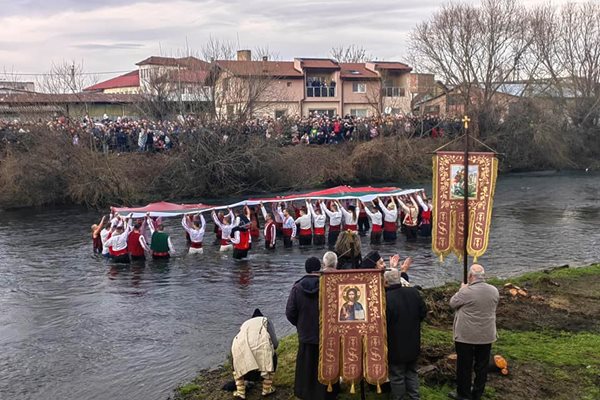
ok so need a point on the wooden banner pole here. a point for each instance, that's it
(466, 120)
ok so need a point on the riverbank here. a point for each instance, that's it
(44, 168)
(549, 333)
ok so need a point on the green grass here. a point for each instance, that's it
(188, 389)
(557, 273)
(551, 348)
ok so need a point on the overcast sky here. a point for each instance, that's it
(112, 35)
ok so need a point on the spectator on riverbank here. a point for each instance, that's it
(128, 134)
(302, 310)
(405, 310)
(474, 332)
(253, 352)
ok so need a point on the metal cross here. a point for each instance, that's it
(466, 121)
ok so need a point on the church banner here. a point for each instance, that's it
(353, 339)
(448, 202)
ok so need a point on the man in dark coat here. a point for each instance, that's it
(405, 309)
(302, 311)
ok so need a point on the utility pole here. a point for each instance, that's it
(73, 77)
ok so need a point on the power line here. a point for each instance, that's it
(51, 74)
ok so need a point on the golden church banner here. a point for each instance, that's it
(353, 339)
(448, 202)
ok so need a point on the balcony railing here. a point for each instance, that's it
(392, 91)
(320, 91)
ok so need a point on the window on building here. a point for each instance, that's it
(328, 112)
(280, 113)
(358, 112)
(358, 87)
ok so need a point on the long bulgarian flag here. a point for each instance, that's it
(363, 193)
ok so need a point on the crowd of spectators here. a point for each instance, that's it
(144, 135)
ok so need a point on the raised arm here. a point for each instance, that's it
(202, 223)
(309, 209)
(216, 220)
(185, 223)
(325, 209)
(150, 223)
(345, 212)
(421, 202)
(264, 211)
(404, 207)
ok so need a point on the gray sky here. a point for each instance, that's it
(112, 35)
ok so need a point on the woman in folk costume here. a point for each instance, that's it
(253, 350)
(411, 215)
(318, 223)
(376, 218)
(335, 222)
(195, 230)
(226, 226)
(350, 217)
(305, 223)
(390, 215)
(425, 215)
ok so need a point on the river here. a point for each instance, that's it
(74, 327)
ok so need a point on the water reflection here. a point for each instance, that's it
(73, 326)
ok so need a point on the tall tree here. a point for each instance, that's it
(474, 49)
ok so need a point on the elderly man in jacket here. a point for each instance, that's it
(405, 309)
(474, 332)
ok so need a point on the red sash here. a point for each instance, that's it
(160, 254)
(351, 227)
(319, 231)
(279, 225)
(376, 228)
(390, 226)
(287, 232)
(119, 252)
(224, 242)
(334, 228)
(305, 232)
(196, 245)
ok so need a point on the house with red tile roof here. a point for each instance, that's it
(266, 87)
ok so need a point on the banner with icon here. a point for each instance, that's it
(449, 179)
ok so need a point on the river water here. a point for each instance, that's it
(74, 327)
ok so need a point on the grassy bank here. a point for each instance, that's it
(550, 337)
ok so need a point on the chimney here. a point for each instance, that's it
(244, 55)
(265, 58)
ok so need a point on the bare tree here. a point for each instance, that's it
(474, 49)
(66, 77)
(567, 45)
(350, 54)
